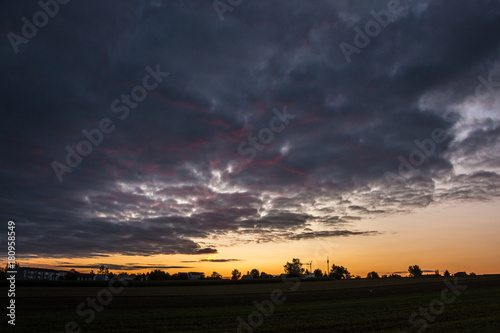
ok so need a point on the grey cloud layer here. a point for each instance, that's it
(169, 179)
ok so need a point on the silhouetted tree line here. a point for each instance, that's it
(292, 269)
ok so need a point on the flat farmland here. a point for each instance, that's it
(379, 305)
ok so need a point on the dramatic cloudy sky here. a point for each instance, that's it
(178, 184)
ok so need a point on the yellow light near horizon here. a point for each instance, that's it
(457, 237)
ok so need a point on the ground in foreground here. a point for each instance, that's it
(384, 305)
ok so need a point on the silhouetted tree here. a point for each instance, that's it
(236, 274)
(372, 275)
(255, 273)
(446, 273)
(394, 275)
(436, 272)
(384, 276)
(216, 276)
(140, 277)
(415, 271)
(158, 275)
(9, 267)
(357, 277)
(472, 274)
(339, 272)
(294, 268)
(318, 272)
(103, 270)
(72, 275)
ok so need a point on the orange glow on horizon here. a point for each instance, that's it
(439, 237)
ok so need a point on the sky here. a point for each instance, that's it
(213, 135)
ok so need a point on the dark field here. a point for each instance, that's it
(382, 305)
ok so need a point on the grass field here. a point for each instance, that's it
(382, 305)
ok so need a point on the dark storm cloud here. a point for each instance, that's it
(206, 251)
(169, 177)
(276, 220)
(335, 233)
(363, 210)
(481, 185)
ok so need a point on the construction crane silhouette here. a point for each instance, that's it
(310, 265)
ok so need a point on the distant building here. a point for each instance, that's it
(84, 277)
(460, 274)
(195, 276)
(190, 276)
(310, 276)
(265, 276)
(247, 277)
(100, 277)
(32, 273)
